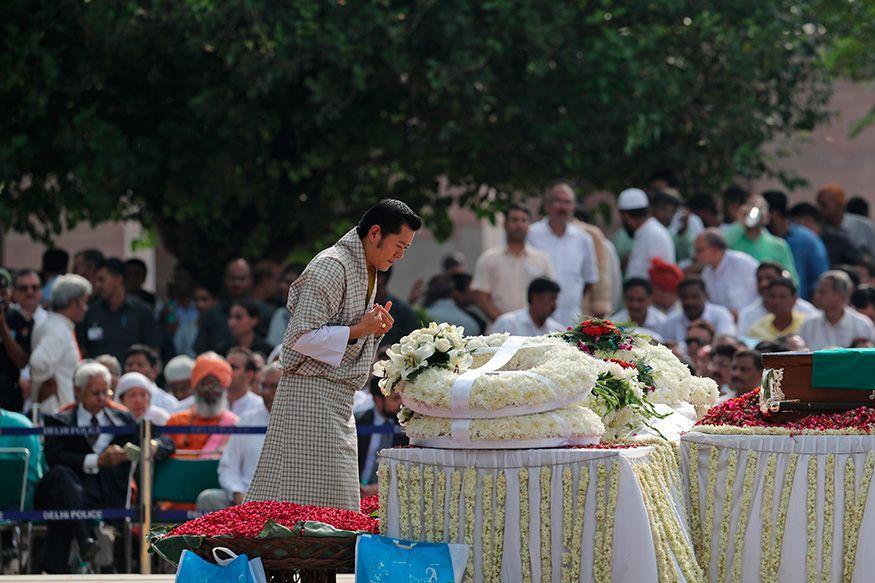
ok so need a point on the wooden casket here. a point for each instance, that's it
(787, 388)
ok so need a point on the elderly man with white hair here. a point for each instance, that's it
(85, 471)
(55, 352)
(135, 392)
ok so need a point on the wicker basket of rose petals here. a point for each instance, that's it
(295, 542)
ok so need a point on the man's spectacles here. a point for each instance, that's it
(24, 288)
(698, 341)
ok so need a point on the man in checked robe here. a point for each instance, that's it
(310, 451)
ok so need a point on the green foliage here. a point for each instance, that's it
(265, 128)
(850, 24)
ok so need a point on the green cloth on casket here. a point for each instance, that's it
(844, 368)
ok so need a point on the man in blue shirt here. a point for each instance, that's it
(809, 252)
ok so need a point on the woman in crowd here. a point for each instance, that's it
(243, 319)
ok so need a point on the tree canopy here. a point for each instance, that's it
(259, 127)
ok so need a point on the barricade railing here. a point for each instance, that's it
(145, 514)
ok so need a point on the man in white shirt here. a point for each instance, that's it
(695, 306)
(241, 454)
(55, 352)
(241, 398)
(649, 238)
(767, 272)
(535, 320)
(638, 308)
(571, 250)
(730, 276)
(502, 274)
(836, 325)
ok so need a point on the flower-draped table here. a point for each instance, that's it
(776, 504)
(568, 514)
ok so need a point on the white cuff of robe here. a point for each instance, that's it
(89, 465)
(326, 344)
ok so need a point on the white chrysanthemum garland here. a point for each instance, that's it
(569, 375)
(571, 422)
(438, 345)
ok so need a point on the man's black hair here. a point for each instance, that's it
(93, 257)
(735, 193)
(542, 285)
(637, 282)
(55, 260)
(692, 281)
(858, 205)
(783, 282)
(724, 350)
(150, 353)
(667, 176)
(702, 201)
(661, 197)
(114, 266)
(250, 305)
(517, 207)
(389, 214)
(770, 265)
(777, 201)
(250, 365)
(134, 262)
(863, 297)
(637, 213)
(461, 281)
(805, 210)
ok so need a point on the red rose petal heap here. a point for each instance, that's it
(744, 411)
(370, 504)
(247, 520)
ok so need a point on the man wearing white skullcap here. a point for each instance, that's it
(650, 238)
(134, 391)
(177, 373)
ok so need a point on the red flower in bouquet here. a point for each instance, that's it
(596, 328)
(370, 504)
(623, 363)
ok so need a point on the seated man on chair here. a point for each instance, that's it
(85, 471)
(210, 377)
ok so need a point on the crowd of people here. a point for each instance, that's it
(719, 279)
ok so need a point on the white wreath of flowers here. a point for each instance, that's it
(546, 375)
(572, 422)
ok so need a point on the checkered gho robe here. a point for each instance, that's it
(310, 452)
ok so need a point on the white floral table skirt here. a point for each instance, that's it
(780, 507)
(545, 514)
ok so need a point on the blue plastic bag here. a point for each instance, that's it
(235, 569)
(381, 559)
